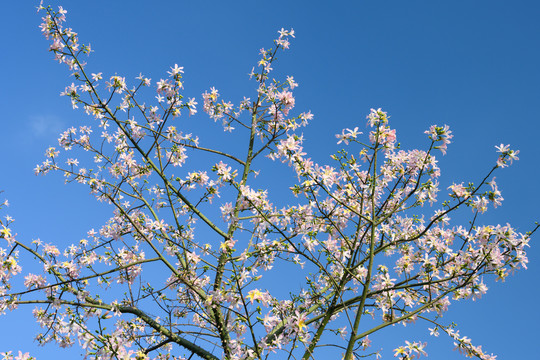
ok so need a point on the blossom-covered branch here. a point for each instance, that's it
(195, 256)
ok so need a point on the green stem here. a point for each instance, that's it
(360, 309)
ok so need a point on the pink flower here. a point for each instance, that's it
(257, 295)
(21, 356)
(176, 70)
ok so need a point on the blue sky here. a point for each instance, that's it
(470, 64)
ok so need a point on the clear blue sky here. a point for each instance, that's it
(473, 65)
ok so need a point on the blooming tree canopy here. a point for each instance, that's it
(188, 264)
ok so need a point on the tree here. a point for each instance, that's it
(181, 268)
